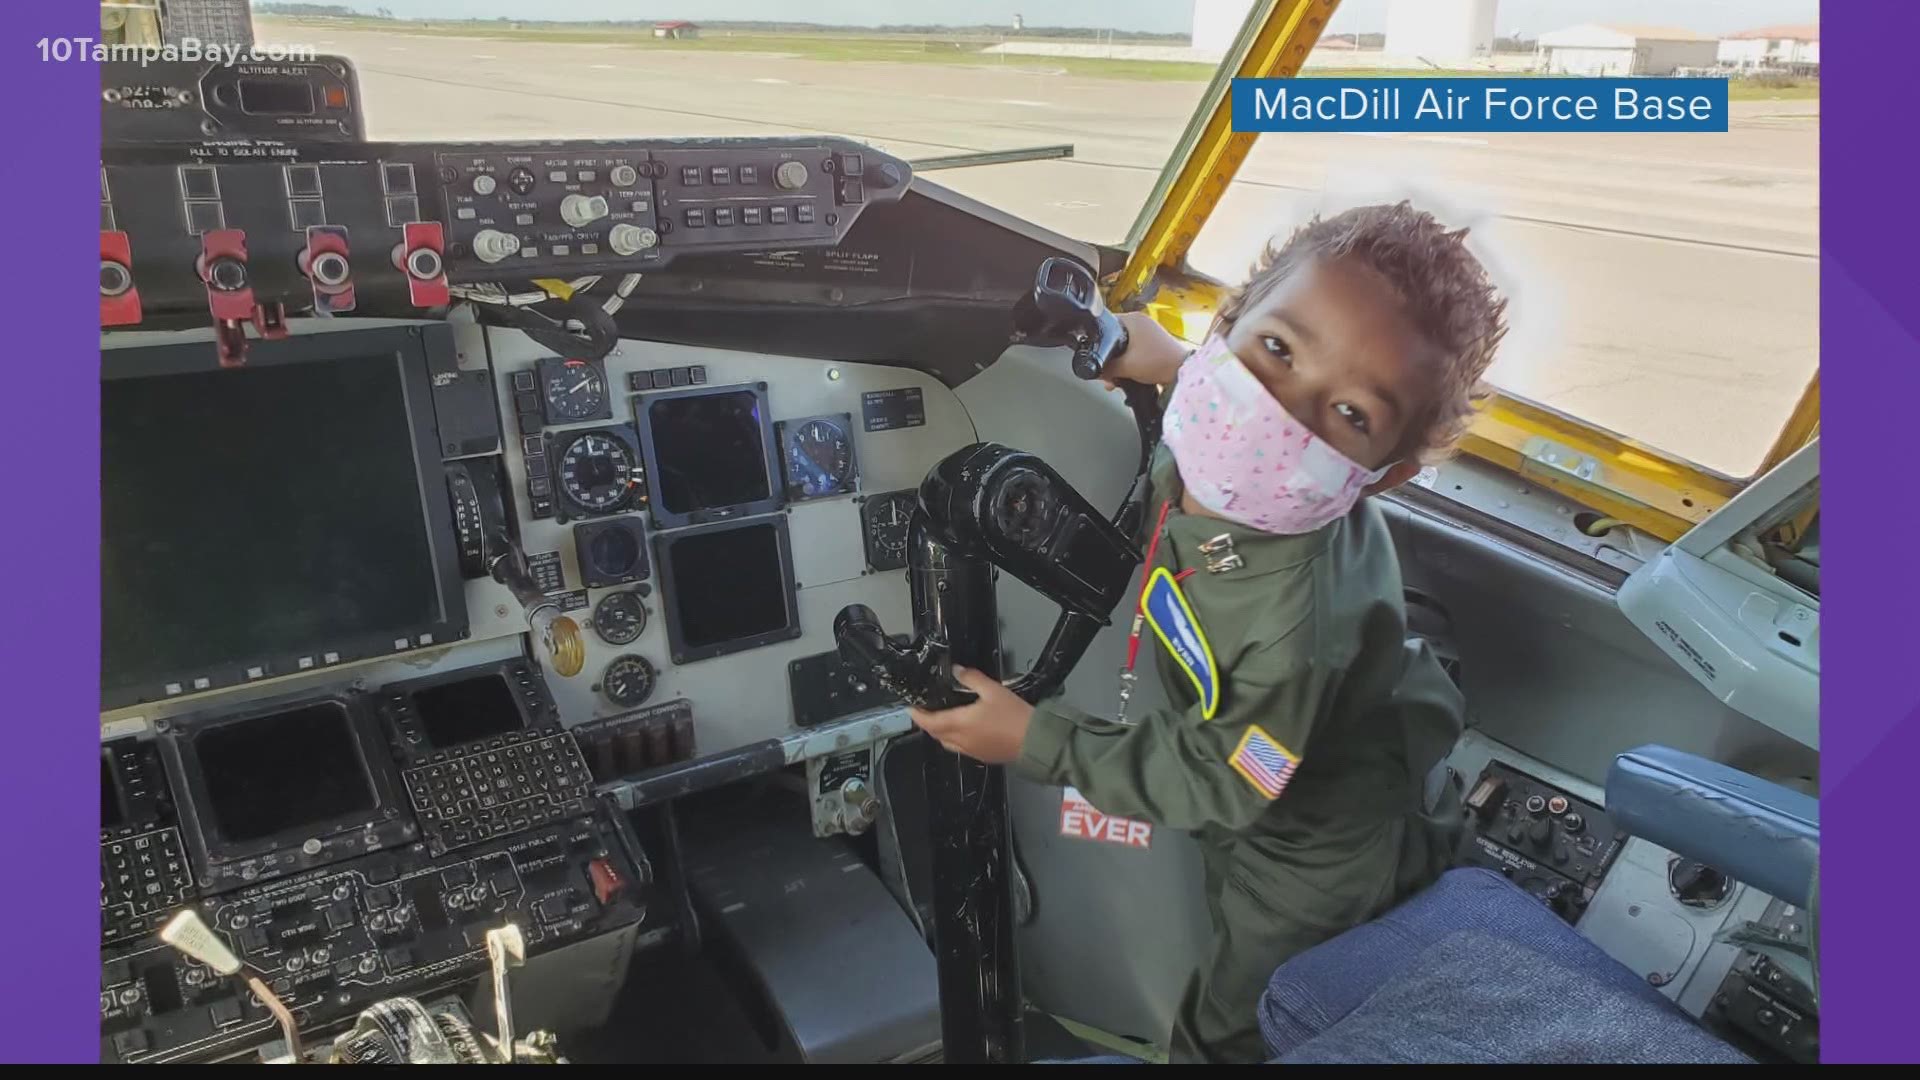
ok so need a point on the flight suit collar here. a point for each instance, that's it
(1259, 552)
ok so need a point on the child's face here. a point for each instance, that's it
(1331, 345)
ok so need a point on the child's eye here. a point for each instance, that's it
(1352, 416)
(1277, 348)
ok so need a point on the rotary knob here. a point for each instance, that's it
(623, 176)
(627, 239)
(790, 176)
(484, 184)
(578, 210)
(492, 245)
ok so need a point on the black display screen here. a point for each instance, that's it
(268, 511)
(460, 712)
(270, 774)
(111, 816)
(710, 451)
(729, 585)
(267, 97)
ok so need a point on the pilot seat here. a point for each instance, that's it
(1474, 969)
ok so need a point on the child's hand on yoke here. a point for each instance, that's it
(1153, 355)
(991, 729)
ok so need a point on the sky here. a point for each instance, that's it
(1527, 17)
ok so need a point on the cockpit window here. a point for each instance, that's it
(1664, 287)
(1062, 116)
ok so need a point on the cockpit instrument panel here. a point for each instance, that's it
(597, 472)
(728, 587)
(628, 681)
(574, 390)
(816, 454)
(883, 520)
(159, 101)
(710, 453)
(620, 618)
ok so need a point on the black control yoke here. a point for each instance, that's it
(1065, 308)
(989, 505)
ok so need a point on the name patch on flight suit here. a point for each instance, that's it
(1171, 617)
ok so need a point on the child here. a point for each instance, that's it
(1304, 724)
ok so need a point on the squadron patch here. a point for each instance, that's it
(1263, 762)
(1172, 619)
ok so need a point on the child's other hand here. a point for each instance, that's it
(990, 730)
(1153, 355)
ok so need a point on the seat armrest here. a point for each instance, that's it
(1753, 830)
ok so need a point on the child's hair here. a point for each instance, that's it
(1442, 288)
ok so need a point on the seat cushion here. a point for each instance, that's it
(1479, 997)
(1322, 986)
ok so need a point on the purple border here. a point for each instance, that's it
(1870, 689)
(48, 807)
(1870, 326)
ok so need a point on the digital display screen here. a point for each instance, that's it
(460, 712)
(729, 585)
(111, 816)
(266, 97)
(270, 774)
(272, 510)
(710, 451)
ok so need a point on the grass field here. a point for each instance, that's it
(843, 47)
(827, 47)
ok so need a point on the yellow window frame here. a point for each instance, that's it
(1647, 488)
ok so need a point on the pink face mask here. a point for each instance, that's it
(1246, 458)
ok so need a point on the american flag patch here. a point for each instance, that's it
(1266, 764)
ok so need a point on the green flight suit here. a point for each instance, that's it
(1311, 642)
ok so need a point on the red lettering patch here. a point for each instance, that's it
(1079, 819)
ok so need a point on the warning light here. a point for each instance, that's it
(336, 97)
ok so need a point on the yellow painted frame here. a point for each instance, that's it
(1622, 479)
(1616, 476)
(1273, 43)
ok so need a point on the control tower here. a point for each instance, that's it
(1443, 32)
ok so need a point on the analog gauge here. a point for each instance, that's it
(620, 618)
(573, 390)
(599, 472)
(884, 520)
(628, 681)
(818, 456)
